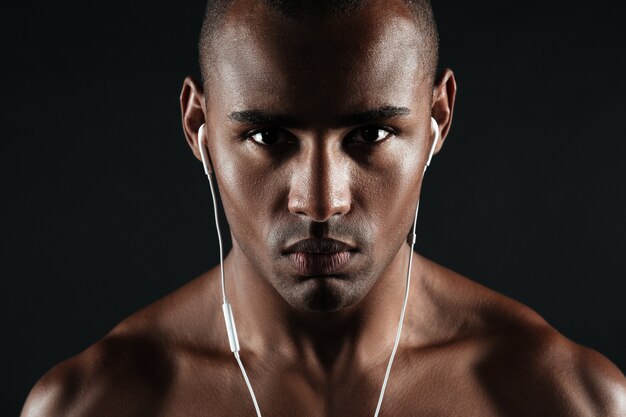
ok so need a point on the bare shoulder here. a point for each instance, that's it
(120, 375)
(131, 369)
(537, 371)
(523, 364)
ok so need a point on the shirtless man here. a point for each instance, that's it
(318, 127)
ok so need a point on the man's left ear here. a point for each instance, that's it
(444, 94)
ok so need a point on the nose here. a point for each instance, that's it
(320, 184)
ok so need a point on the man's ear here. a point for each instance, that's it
(192, 110)
(444, 94)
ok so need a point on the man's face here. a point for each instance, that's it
(298, 152)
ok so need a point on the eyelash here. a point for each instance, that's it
(248, 135)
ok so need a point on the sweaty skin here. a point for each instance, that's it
(287, 110)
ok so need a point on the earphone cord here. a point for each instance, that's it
(399, 331)
(219, 238)
(225, 298)
(245, 377)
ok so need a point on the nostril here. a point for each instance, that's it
(320, 196)
(320, 214)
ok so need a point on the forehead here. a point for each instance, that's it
(315, 64)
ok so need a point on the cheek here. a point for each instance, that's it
(248, 193)
(387, 195)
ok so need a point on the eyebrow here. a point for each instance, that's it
(259, 117)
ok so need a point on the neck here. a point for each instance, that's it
(364, 332)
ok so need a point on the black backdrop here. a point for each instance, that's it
(105, 210)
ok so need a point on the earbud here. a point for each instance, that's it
(435, 126)
(206, 162)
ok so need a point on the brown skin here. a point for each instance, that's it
(319, 347)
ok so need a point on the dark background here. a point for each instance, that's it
(105, 210)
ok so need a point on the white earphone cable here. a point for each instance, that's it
(226, 303)
(201, 145)
(219, 238)
(245, 377)
(404, 304)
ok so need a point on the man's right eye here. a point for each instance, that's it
(269, 136)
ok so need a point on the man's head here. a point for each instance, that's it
(318, 126)
(313, 12)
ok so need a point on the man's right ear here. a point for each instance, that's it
(193, 115)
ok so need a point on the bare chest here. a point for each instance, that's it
(414, 390)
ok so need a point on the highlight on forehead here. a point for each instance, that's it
(421, 10)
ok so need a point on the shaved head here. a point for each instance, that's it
(314, 12)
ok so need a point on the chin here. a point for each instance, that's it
(322, 295)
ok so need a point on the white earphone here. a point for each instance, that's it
(435, 127)
(229, 320)
(208, 169)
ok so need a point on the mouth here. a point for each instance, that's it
(318, 257)
(320, 263)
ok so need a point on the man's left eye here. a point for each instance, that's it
(370, 134)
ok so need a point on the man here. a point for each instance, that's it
(317, 121)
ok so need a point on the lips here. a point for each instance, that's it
(320, 256)
(312, 245)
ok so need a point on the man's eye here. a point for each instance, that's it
(268, 136)
(370, 134)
